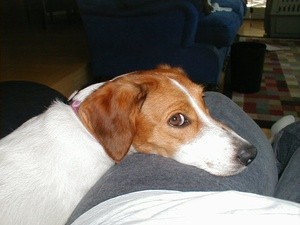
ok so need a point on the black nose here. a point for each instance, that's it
(247, 154)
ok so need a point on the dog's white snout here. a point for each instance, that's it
(245, 151)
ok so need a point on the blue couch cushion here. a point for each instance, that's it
(218, 28)
(237, 6)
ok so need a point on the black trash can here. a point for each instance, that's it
(247, 61)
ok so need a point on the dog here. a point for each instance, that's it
(50, 162)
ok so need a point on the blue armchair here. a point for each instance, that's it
(128, 35)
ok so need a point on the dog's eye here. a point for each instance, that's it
(178, 120)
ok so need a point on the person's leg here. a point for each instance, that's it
(147, 172)
(286, 146)
(22, 100)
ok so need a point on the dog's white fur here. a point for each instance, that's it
(46, 166)
(49, 163)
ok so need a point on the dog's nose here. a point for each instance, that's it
(247, 154)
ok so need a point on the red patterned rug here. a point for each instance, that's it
(279, 94)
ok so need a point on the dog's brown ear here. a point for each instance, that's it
(109, 113)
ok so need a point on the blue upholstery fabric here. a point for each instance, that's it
(128, 35)
(219, 28)
(237, 6)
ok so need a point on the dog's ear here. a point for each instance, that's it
(109, 113)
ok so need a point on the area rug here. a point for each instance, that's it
(279, 94)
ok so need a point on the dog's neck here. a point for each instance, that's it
(78, 97)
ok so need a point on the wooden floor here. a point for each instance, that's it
(56, 56)
(252, 28)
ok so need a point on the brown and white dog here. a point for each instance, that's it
(49, 163)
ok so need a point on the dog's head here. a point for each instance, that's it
(161, 112)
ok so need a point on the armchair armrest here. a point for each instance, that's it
(123, 38)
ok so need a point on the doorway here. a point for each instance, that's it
(256, 9)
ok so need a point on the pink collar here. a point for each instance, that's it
(75, 104)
